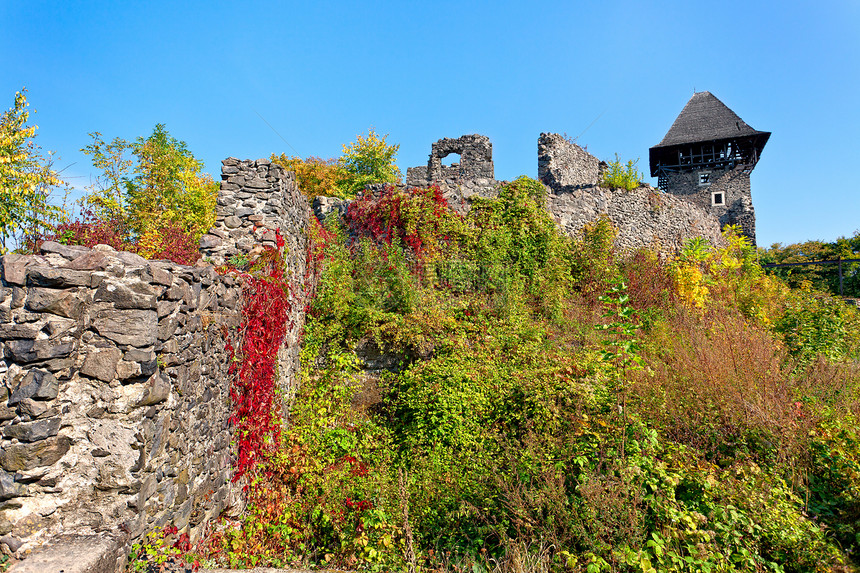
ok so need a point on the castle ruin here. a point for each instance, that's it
(703, 166)
(115, 370)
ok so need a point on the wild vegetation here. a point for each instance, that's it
(620, 175)
(369, 159)
(820, 277)
(27, 178)
(553, 405)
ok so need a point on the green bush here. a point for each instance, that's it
(618, 175)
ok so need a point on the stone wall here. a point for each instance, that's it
(460, 182)
(256, 199)
(476, 161)
(644, 217)
(458, 192)
(114, 402)
(115, 394)
(564, 164)
(259, 201)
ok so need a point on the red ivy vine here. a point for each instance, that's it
(265, 318)
(318, 238)
(413, 216)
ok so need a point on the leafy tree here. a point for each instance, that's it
(26, 178)
(152, 184)
(823, 277)
(168, 188)
(107, 196)
(368, 160)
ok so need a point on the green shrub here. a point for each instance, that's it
(618, 175)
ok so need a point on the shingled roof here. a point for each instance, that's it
(705, 118)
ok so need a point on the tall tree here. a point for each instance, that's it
(368, 160)
(26, 178)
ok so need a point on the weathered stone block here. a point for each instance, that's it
(25, 351)
(167, 327)
(90, 261)
(33, 409)
(37, 384)
(6, 413)
(33, 431)
(68, 303)
(159, 275)
(15, 269)
(126, 296)
(8, 487)
(10, 330)
(126, 370)
(75, 554)
(101, 364)
(209, 241)
(132, 327)
(18, 457)
(58, 278)
(66, 251)
(157, 390)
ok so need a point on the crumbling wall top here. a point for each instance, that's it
(476, 158)
(564, 164)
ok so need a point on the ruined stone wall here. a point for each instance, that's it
(115, 394)
(460, 182)
(259, 200)
(564, 164)
(256, 199)
(458, 192)
(114, 384)
(644, 217)
(476, 161)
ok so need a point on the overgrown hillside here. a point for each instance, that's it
(481, 392)
(524, 401)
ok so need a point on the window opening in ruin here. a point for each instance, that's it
(451, 159)
(704, 178)
(717, 198)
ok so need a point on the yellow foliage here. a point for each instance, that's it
(25, 176)
(690, 282)
(315, 175)
(160, 187)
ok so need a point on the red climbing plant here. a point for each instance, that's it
(420, 218)
(265, 319)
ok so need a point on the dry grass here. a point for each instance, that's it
(728, 388)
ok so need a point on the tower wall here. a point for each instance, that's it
(734, 186)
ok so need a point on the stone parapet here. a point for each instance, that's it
(115, 394)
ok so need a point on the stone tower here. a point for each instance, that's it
(706, 158)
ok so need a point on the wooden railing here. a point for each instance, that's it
(837, 260)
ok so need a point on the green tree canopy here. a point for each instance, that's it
(368, 160)
(152, 183)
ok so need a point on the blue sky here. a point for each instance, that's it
(614, 73)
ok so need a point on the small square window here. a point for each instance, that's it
(704, 178)
(717, 198)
